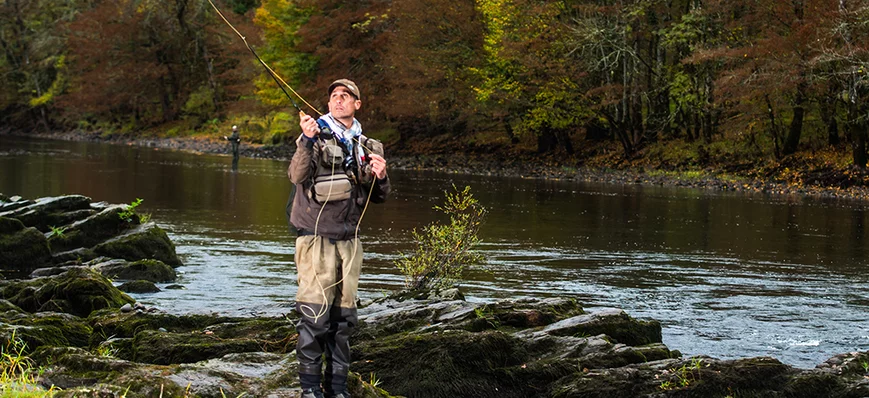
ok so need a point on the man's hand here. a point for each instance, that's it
(378, 165)
(309, 125)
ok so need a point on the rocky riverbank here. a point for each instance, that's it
(59, 308)
(825, 183)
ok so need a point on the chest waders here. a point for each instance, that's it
(329, 269)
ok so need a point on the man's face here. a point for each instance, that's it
(342, 103)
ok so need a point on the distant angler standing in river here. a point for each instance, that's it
(234, 139)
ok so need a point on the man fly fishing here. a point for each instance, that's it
(336, 171)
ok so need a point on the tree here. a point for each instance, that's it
(145, 62)
(430, 57)
(33, 62)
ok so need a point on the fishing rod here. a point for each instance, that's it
(271, 72)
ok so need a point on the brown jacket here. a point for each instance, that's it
(339, 218)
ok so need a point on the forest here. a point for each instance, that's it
(686, 83)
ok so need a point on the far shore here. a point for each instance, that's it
(495, 165)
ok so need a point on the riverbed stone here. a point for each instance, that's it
(93, 230)
(139, 286)
(78, 255)
(615, 323)
(22, 249)
(151, 346)
(47, 211)
(11, 203)
(146, 241)
(148, 270)
(79, 291)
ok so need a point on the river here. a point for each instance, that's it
(728, 274)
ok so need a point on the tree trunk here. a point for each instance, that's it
(858, 145)
(827, 110)
(793, 139)
(773, 128)
(546, 141)
(508, 129)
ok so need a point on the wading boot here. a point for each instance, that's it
(312, 393)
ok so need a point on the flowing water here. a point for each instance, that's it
(728, 274)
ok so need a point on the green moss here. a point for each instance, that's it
(139, 287)
(23, 251)
(10, 225)
(167, 348)
(92, 231)
(147, 270)
(620, 327)
(78, 291)
(446, 364)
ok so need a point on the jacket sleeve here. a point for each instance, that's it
(302, 165)
(381, 190)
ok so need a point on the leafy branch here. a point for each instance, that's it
(443, 251)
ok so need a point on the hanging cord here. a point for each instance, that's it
(319, 314)
(271, 72)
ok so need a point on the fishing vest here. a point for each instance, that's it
(338, 171)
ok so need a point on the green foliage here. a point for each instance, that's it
(683, 376)
(444, 250)
(200, 104)
(280, 21)
(56, 232)
(18, 377)
(129, 212)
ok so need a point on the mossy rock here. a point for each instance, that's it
(147, 270)
(23, 250)
(51, 330)
(93, 230)
(6, 306)
(277, 334)
(82, 373)
(75, 331)
(165, 348)
(139, 287)
(35, 214)
(10, 225)
(78, 291)
(112, 322)
(813, 383)
(45, 222)
(79, 255)
(147, 241)
(445, 364)
(614, 323)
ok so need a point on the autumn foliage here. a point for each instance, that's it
(749, 79)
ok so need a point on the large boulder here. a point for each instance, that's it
(43, 329)
(148, 270)
(146, 241)
(79, 291)
(51, 211)
(22, 249)
(163, 348)
(93, 230)
(163, 338)
(613, 322)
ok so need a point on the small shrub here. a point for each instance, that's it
(18, 377)
(130, 212)
(443, 251)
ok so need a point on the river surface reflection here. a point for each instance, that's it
(728, 274)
